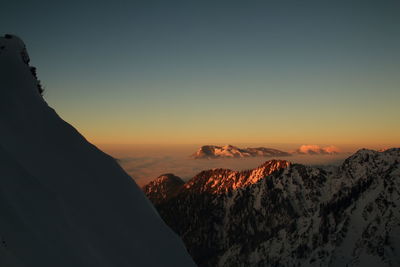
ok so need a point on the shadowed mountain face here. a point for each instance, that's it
(63, 202)
(164, 187)
(283, 214)
(229, 151)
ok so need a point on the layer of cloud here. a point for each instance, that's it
(145, 169)
(317, 150)
(145, 163)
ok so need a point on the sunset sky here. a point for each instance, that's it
(196, 72)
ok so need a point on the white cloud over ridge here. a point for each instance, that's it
(317, 150)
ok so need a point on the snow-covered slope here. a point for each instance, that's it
(63, 202)
(282, 214)
(229, 151)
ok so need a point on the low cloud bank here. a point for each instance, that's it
(145, 169)
(317, 150)
(146, 163)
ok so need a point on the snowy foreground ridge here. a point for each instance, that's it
(63, 202)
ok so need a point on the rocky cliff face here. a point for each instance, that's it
(283, 214)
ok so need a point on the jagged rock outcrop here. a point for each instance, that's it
(283, 214)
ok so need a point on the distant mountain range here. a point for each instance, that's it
(284, 214)
(229, 151)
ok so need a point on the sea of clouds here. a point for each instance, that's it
(144, 164)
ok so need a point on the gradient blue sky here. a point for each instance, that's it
(324, 72)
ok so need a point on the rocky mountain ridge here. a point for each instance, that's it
(283, 214)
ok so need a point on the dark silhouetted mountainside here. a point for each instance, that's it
(63, 202)
(283, 214)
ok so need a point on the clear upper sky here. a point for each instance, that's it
(323, 72)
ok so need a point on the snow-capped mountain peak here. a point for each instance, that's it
(283, 214)
(230, 151)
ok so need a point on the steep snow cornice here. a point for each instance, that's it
(63, 202)
(12, 50)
